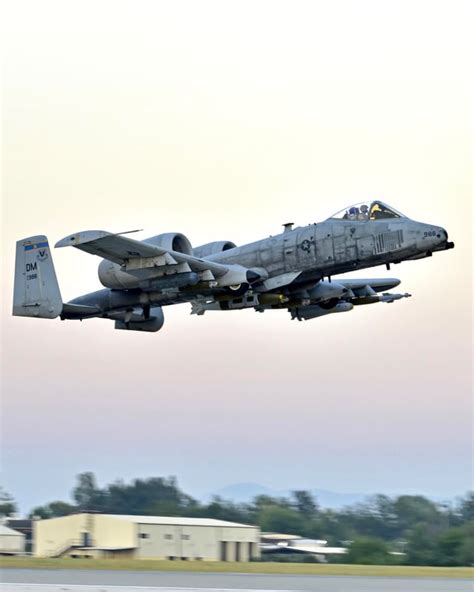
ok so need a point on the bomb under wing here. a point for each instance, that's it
(299, 270)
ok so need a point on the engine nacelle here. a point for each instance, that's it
(213, 248)
(137, 322)
(171, 241)
(111, 276)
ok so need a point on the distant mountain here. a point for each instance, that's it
(334, 499)
(245, 492)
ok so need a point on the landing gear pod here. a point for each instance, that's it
(142, 322)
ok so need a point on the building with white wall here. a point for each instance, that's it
(145, 537)
(12, 542)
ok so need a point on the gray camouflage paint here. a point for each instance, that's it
(282, 271)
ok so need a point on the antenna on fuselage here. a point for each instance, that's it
(288, 226)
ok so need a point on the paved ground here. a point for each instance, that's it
(30, 580)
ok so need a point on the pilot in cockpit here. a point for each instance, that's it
(353, 213)
(364, 212)
(380, 211)
(375, 210)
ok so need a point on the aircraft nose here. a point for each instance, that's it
(442, 235)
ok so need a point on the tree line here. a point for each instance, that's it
(408, 529)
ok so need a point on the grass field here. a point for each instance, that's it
(268, 568)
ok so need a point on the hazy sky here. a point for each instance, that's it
(222, 120)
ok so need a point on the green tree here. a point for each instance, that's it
(416, 509)
(53, 510)
(222, 509)
(383, 508)
(259, 503)
(420, 547)
(366, 519)
(455, 546)
(429, 533)
(216, 508)
(368, 550)
(156, 495)
(281, 520)
(465, 552)
(304, 503)
(7, 503)
(86, 494)
(466, 507)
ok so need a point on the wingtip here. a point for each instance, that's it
(79, 238)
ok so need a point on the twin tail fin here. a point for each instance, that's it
(36, 290)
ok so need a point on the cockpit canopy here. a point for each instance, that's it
(364, 211)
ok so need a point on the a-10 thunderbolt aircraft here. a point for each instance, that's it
(293, 270)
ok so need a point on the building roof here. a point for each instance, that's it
(318, 549)
(178, 521)
(275, 536)
(17, 523)
(5, 531)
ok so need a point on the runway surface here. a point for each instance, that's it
(42, 580)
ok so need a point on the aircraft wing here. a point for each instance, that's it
(133, 256)
(115, 247)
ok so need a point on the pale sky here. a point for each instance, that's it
(223, 120)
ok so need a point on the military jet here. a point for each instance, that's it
(294, 270)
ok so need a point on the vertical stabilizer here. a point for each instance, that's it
(36, 292)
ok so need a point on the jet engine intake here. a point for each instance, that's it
(213, 248)
(113, 277)
(171, 241)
